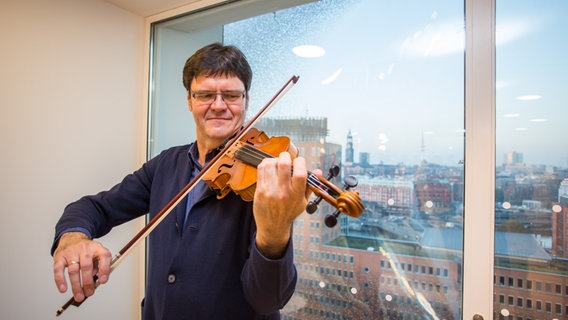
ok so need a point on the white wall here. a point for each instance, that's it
(72, 122)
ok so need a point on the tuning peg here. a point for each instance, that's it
(333, 171)
(350, 182)
(331, 219)
(313, 204)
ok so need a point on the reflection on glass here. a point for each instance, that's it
(381, 95)
(531, 197)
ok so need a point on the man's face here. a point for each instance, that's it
(218, 105)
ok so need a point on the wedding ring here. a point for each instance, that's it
(73, 262)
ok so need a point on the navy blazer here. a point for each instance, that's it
(210, 269)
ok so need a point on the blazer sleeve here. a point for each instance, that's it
(269, 284)
(99, 213)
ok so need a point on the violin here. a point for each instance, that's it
(234, 169)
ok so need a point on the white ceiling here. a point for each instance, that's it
(147, 8)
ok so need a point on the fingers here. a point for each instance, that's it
(59, 275)
(282, 175)
(300, 175)
(281, 185)
(87, 275)
(284, 168)
(103, 266)
(85, 261)
(74, 271)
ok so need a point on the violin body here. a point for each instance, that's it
(236, 170)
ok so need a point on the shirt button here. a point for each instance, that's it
(171, 278)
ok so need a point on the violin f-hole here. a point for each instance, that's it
(224, 165)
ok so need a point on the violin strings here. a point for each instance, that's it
(259, 155)
(254, 156)
(251, 155)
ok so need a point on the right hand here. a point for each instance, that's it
(83, 258)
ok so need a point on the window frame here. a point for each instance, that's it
(478, 250)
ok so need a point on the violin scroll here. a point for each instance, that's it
(346, 201)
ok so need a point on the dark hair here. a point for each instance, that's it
(217, 60)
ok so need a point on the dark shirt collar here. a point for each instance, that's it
(193, 154)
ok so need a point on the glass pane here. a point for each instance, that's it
(531, 196)
(381, 96)
(170, 120)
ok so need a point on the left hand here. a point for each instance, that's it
(281, 195)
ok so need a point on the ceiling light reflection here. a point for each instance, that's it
(529, 97)
(308, 51)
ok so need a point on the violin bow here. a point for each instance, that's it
(162, 214)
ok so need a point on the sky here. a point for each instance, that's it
(393, 75)
(531, 77)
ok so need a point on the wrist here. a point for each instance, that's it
(272, 247)
(74, 235)
(68, 238)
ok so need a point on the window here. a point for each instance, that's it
(409, 169)
(531, 178)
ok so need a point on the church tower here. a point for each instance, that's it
(349, 148)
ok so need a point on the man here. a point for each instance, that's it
(209, 258)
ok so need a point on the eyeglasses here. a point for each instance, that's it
(229, 97)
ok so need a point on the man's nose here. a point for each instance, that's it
(219, 101)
